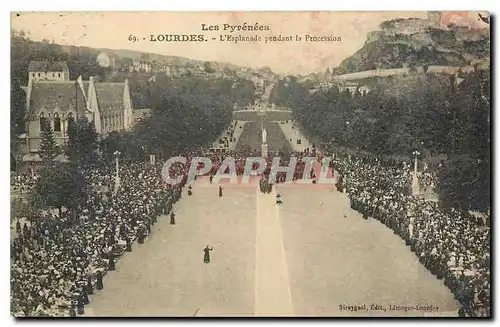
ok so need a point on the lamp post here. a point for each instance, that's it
(485, 99)
(416, 154)
(117, 176)
(415, 184)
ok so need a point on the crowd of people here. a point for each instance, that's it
(227, 139)
(22, 182)
(240, 162)
(428, 181)
(58, 261)
(451, 244)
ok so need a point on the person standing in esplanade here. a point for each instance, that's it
(206, 256)
(278, 199)
(172, 218)
(220, 191)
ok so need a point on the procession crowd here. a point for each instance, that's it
(58, 261)
(23, 182)
(451, 244)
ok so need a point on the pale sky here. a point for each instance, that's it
(112, 30)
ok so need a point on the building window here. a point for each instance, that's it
(59, 75)
(33, 74)
(43, 121)
(68, 120)
(57, 123)
(38, 74)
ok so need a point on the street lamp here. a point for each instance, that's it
(117, 176)
(415, 183)
(416, 154)
(485, 99)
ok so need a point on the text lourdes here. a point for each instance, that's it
(235, 28)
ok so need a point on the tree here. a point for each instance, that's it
(82, 145)
(49, 149)
(186, 113)
(464, 183)
(61, 185)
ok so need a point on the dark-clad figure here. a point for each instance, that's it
(220, 191)
(80, 307)
(172, 218)
(206, 256)
(129, 245)
(211, 178)
(141, 236)
(72, 312)
(99, 285)
(111, 263)
(85, 297)
(90, 289)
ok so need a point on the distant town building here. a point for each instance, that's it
(140, 66)
(48, 71)
(161, 68)
(353, 87)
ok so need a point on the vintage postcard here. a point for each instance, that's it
(250, 164)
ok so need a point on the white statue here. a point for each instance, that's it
(264, 136)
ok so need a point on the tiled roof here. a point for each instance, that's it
(61, 95)
(109, 95)
(57, 66)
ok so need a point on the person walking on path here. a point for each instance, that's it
(172, 218)
(220, 191)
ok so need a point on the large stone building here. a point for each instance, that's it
(48, 71)
(140, 66)
(107, 105)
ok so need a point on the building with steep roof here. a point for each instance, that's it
(107, 105)
(48, 71)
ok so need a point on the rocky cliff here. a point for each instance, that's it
(417, 42)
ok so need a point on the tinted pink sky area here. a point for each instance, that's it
(112, 30)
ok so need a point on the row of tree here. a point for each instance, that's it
(433, 116)
(185, 114)
(145, 88)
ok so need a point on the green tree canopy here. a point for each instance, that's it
(60, 185)
(49, 149)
